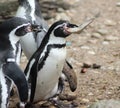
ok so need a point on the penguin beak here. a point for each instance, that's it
(33, 28)
(69, 27)
(80, 28)
(36, 28)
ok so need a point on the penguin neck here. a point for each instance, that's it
(13, 40)
(50, 40)
(56, 40)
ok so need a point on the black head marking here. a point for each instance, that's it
(7, 26)
(22, 30)
(60, 28)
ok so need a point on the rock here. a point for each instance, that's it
(96, 35)
(111, 38)
(83, 70)
(102, 31)
(91, 52)
(61, 10)
(85, 47)
(93, 41)
(68, 97)
(109, 22)
(75, 104)
(106, 104)
(87, 65)
(96, 66)
(105, 43)
(118, 4)
(84, 100)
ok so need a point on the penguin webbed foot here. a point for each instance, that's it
(60, 104)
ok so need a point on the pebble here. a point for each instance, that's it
(93, 41)
(109, 22)
(102, 31)
(91, 52)
(106, 104)
(85, 47)
(105, 43)
(90, 94)
(68, 97)
(111, 38)
(96, 66)
(118, 4)
(83, 70)
(84, 100)
(96, 35)
(87, 65)
(75, 104)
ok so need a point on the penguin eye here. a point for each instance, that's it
(21, 31)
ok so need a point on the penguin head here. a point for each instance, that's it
(26, 28)
(17, 26)
(61, 28)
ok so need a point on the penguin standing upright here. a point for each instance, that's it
(10, 32)
(30, 10)
(45, 66)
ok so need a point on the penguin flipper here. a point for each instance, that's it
(12, 70)
(33, 80)
(32, 77)
(70, 75)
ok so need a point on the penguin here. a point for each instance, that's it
(46, 64)
(30, 10)
(11, 31)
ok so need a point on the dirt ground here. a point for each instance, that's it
(98, 44)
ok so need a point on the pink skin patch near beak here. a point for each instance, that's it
(66, 30)
(28, 28)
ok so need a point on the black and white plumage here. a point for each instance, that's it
(30, 10)
(10, 32)
(45, 66)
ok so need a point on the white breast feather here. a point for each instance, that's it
(4, 94)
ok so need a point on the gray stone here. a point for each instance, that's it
(110, 22)
(111, 38)
(102, 31)
(118, 4)
(106, 104)
(96, 35)
(85, 47)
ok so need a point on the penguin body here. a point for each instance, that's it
(10, 32)
(45, 66)
(30, 10)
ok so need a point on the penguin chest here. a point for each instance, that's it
(28, 44)
(47, 79)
